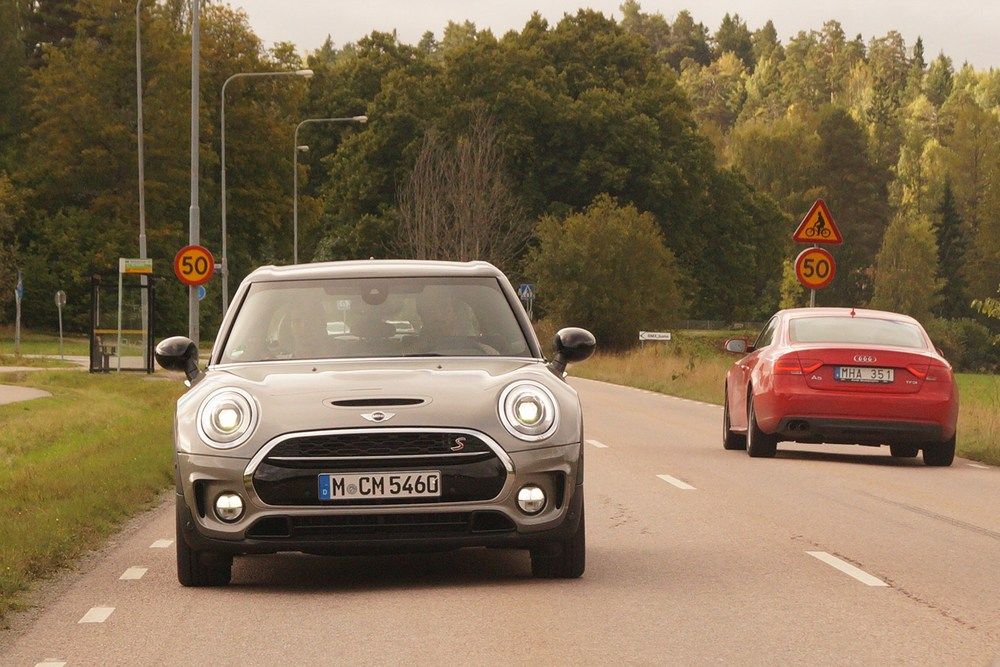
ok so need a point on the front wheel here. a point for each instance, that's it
(941, 454)
(201, 568)
(570, 560)
(759, 444)
(730, 440)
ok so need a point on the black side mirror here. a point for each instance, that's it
(178, 353)
(573, 345)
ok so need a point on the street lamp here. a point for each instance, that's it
(307, 73)
(295, 173)
(142, 170)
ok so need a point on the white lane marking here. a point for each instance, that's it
(161, 544)
(597, 443)
(97, 615)
(50, 662)
(676, 482)
(133, 573)
(847, 568)
(976, 465)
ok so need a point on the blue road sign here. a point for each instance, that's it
(526, 291)
(201, 292)
(19, 290)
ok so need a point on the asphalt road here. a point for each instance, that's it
(824, 555)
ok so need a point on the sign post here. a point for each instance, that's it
(815, 267)
(60, 302)
(18, 295)
(526, 292)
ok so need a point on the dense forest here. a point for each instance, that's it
(718, 139)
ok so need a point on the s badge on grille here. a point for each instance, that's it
(459, 445)
(378, 416)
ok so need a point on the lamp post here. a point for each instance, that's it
(295, 173)
(194, 212)
(142, 169)
(241, 75)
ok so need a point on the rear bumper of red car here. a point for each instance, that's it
(796, 412)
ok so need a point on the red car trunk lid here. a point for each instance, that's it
(909, 368)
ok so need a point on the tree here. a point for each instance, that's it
(687, 40)
(938, 80)
(606, 269)
(458, 203)
(951, 245)
(906, 276)
(765, 43)
(733, 36)
(11, 209)
(793, 294)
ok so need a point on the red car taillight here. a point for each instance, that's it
(792, 365)
(937, 374)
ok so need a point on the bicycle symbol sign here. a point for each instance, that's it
(818, 227)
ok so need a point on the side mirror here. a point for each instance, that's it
(573, 345)
(737, 345)
(178, 353)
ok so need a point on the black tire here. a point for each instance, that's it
(903, 451)
(201, 568)
(730, 440)
(570, 557)
(941, 454)
(759, 444)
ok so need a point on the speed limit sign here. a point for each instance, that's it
(815, 268)
(194, 265)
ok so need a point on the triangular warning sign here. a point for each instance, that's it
(818, 227)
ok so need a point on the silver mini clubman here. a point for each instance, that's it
(357, 407)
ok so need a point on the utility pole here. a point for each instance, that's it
(144, 296)
(194, 213)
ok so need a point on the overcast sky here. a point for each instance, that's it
(963, 29)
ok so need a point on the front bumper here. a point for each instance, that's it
(369, 528)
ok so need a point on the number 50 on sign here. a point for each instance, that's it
(194, 265)
(815, 268)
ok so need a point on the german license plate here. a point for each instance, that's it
(863, 374)
(362, 485)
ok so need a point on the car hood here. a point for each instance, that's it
(308, 396)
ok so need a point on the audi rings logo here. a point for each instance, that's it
(865, 359)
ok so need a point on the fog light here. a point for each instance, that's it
(229, 507)
(531, 499)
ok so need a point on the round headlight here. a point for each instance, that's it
(528, 410)
(227, 418)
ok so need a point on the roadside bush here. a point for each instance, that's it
(966, 343)
(606, 269)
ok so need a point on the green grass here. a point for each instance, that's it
(694, 366)
(33, 362)
(42, 343)
(74, 466)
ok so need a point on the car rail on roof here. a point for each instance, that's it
(374, 268)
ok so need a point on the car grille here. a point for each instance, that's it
(288, 474)
(417, 443)
(374, 526)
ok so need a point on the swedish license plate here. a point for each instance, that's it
(863, 374)
(362, 485)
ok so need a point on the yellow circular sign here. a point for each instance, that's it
(815, 268)
(194, 265)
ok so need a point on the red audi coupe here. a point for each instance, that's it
(844, 376)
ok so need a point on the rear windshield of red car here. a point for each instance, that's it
(856, 331)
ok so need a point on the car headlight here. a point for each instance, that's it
(227, 418)
(528, 410)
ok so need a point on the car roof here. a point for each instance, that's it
(794, 313)
(374, 268)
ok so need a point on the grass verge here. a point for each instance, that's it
(74, 466)
(692, 366)
(33, 362)
(42, 343)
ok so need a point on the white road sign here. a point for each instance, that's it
(654, 335)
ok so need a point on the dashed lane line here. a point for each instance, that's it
(597, 443)
(676, 482)
(97, 615)
(133, 573)
(51, 662)
(161, 544)
(976, 465)
(847, 568)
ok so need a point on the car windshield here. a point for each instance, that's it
(856, 331)
(374, 317)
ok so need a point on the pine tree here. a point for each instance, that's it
(952, 244)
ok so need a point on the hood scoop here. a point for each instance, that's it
(376, 402)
